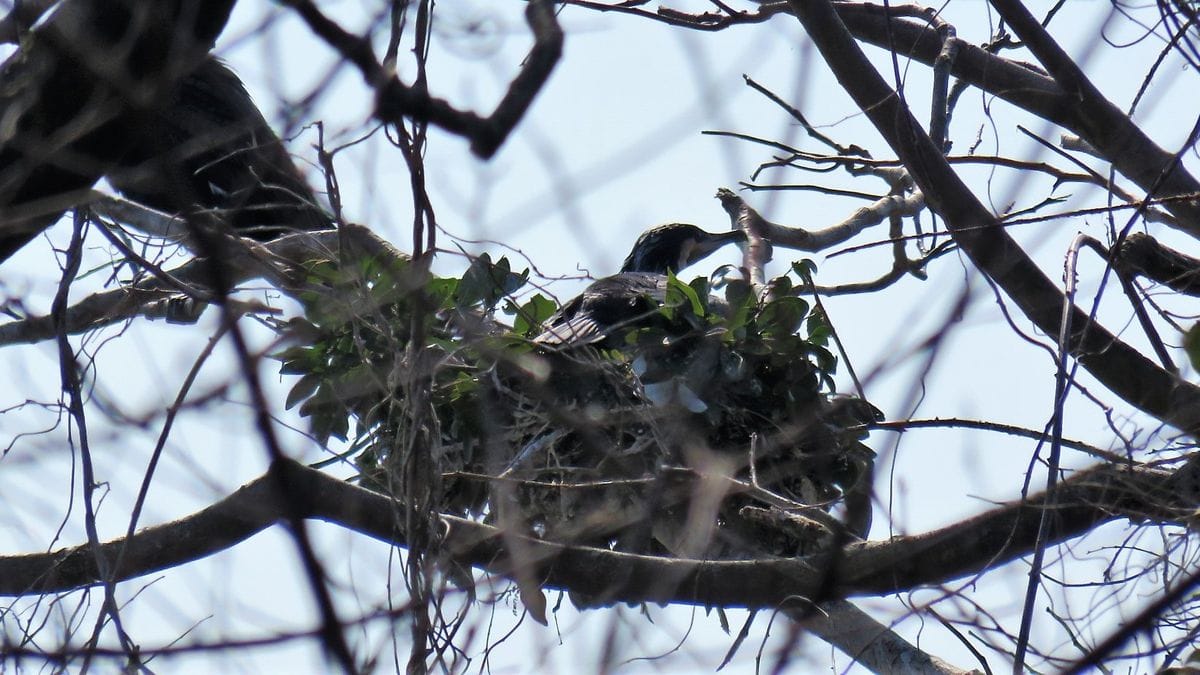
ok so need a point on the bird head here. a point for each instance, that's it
(674, 247)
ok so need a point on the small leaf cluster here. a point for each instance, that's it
(356, 337)
(743, 354)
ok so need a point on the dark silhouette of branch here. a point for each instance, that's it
(23, 16)
(395, 101)
(1086, 499)
(1144, 620)
(1103, 125)
(1124, 370)
(1097, 121)
(1142, 255)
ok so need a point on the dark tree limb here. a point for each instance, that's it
(1121, 368)
(1096, 120)
(1142, 255)
(1103, 125)
(395, 101)
(972, 546)
(24, 14)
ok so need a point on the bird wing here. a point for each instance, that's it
(607, 304)
(568, 327)
(211, 148)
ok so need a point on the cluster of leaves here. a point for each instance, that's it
(358, 329)
(742, 354)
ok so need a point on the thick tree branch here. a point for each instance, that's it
(969, 547)
(1142, 255)
(1122, 369)
(869, 642)
(1096, 120)
(802, 239)
(1103, 125)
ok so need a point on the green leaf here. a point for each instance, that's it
(302, 390)
(510, 282)
(298, 360)
(531, 315)
(476, 283)
(826, 361)
(699, 286)
(818, 328)
(782, 316)
(680, 294)
(778, 287)
(806, 269)
(1191, 344)
(739, 297)
(441, 291)
(463, 387)
(485, 282)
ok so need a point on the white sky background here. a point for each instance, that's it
(612, 146)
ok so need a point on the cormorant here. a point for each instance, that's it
(209, 148)
(622, 299)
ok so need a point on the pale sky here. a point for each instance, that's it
(612, 146)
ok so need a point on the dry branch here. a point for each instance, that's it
(799, 238)
(1121, 368)
(395, 101)
(970, 547)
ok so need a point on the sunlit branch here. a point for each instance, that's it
(799, 238)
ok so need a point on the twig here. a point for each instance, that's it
(1062, 380)
(1120, 367)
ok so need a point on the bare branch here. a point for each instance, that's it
(969, 547)
(1122, 369)
(277, 260)
(1105, 127)
(396, 101)
(871, 643)
(799, 238)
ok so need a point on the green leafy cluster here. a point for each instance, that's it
(358, 327)
(744, 355)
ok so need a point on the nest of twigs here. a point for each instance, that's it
(711, 434)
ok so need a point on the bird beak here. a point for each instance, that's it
(705, 247)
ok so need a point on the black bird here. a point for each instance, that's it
(209, 148)
(620, 300)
